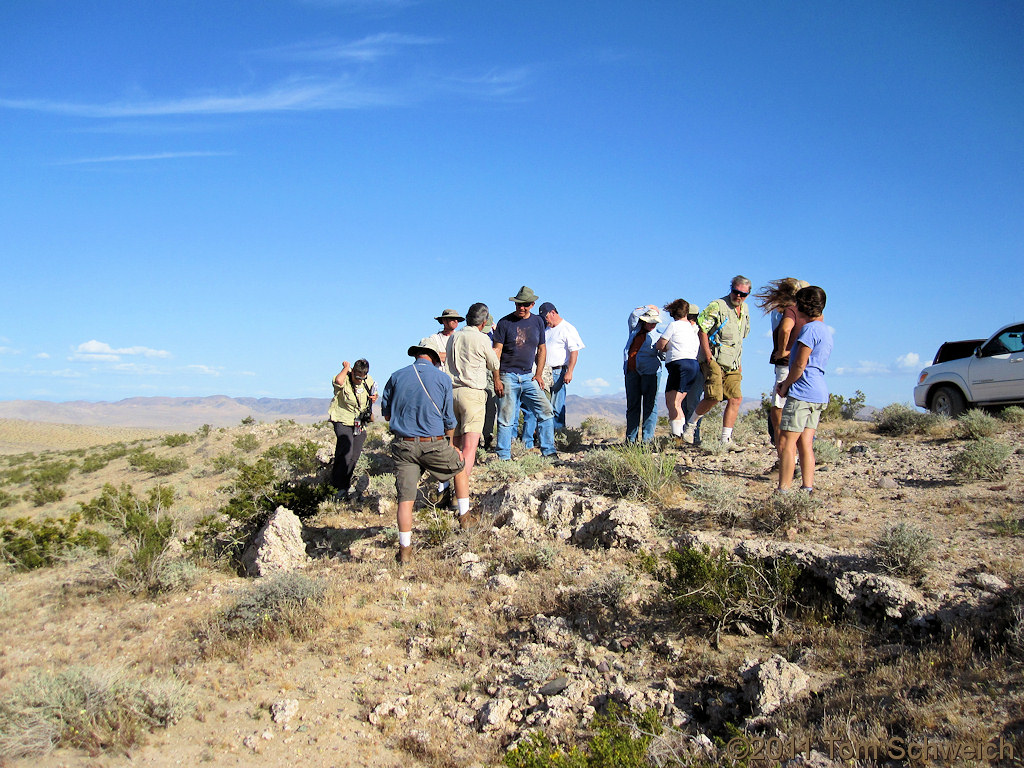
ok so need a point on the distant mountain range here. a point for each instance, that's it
(223, 411)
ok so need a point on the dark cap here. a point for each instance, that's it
(546, 307)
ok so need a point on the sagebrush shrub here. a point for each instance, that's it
(176, 440)
(899, 420)
(1014, 414)
(158, 466)
(596, 428)
(28, 544)
(247, 443)
(975, 424)
(278, 606)
(904, 549)
(982, 459)
(718, 497)
(827, 452)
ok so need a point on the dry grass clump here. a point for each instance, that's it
(513, 470)
(982, 459)
(827, 452)
(781, 511)
(631, 471)
(718, 497)
(594, 428)
(86, 708)
(976, 424)
(604, 602)
(904, 549)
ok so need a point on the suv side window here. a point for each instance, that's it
(1010, 340)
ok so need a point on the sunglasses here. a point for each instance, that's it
(738, 292)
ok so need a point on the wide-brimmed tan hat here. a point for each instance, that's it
(425, 348)
(651, 316)
(450, 314)
(525, 296)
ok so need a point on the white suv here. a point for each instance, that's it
(992, 373)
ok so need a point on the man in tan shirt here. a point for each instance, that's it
(471, 361)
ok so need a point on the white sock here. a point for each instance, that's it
(463, 505)
(726, 434)
(693, 420)
(677, 427)
(442, 487)
(405, 538)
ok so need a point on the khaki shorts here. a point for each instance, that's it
(470, 406)
(413, 457)
(798, 415)
(719, 384)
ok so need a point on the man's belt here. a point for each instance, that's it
(421, 439)
(557, 367)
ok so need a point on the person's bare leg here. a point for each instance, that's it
(787, 442)
(672, 400)
(732, 411)
(405, 516)
(806, 447)
(467, 443)
(776, 418)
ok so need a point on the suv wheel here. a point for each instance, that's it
(948, 402)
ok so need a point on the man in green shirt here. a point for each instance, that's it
(721, 328)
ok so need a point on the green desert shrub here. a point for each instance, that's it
(298, 458)
(99, 458)
(569, 439)
(177, 439)
(46, 481)
(717, 590)
(28, 544)
(898, 420)
(158, 466)
(981, 459)
(1013, 414)
(6, 499)
(146, 532)
(515, 470)
(904, 549)
(976, 423)
(288, 605)
(247, 443)
(615, 739)
(631, 471)
(92, 709)
(840, 407)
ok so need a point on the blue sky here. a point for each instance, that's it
(208, 197)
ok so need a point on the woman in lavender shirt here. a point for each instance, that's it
(804, 389)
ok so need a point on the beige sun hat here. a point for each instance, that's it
(450, 314)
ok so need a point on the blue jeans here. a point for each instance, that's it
(521, 388)
(557, 398)
(641, 403)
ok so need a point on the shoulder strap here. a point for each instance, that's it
(427, 393)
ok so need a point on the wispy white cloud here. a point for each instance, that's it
(205, 370)
(9, 351)
(99, 351)
(42, 356)
(596, 384)
(304, 95)
(369, 49)
(139, 369)
(496, 83)
(138, 158)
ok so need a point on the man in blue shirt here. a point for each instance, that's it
(417, 402)
(519, 343)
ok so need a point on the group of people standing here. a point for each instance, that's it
(462, 380)
(440, 406)
(703, 353)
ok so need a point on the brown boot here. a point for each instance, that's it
(404, 555)
(469, 520)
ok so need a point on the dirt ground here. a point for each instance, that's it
(365, 656)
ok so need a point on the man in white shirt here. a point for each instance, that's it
(564, 344)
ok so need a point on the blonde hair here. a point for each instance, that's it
(779, 294)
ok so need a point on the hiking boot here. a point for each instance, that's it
(533, 449)
(735, 447)
(689, 434)
(404, 555)
(469, 520)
